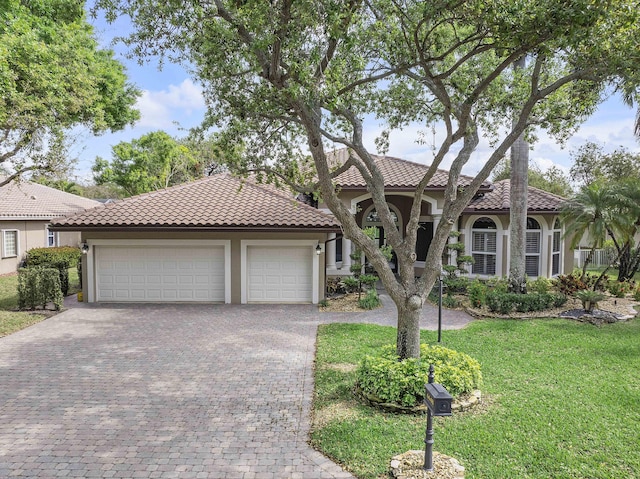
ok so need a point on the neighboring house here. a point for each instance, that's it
(221, 239)
(217, 239)
(26, 209)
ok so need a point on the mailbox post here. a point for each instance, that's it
(438, 402)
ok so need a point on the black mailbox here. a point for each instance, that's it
(437, 399)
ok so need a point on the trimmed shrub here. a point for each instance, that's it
(539, 285)
(505, 303)
(61, 258)
(38, 286)
(636, 293)
(402, 382)
(477, 291)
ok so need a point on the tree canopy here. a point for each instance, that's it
(591, 163)
(151, 162)
(53, 77)
(293, 80)
(553, 180)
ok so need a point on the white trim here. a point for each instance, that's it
(182, 243)
(427, 199)
(4, 244)
(500, 243)
(315, 263)
(56, 237)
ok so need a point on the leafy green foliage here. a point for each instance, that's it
(61, 258)
(553, 180)
(390, 380)
(151, 162)
(569, 283)
(619, 289)
(477, 292)
(505, 303)
(54, 77)
(370, 300)
(540, 285)
(38, 286)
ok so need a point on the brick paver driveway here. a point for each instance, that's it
(166, 391)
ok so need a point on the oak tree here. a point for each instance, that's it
(54, 77)
(295, 79)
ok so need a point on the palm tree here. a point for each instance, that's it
(587, 214)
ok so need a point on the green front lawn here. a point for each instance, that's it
(561, 400)
(12, 320)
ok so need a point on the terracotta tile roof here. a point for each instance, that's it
(219, 201)
(498, 200)
(397, 173)
(26, 200)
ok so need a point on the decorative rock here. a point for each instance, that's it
(409, 466)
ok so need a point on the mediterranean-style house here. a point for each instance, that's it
(26, 210)
(223, 239)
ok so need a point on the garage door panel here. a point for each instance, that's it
(279, 274)
(128, 273)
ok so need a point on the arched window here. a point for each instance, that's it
(483, 246)
(533, 248)
(556, 248)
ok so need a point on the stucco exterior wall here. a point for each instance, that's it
(31, 234)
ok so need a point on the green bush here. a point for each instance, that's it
(505, 303)
(477, 291)
(456, 284)
(449, 301)
(619, 289)
(539, 285)
(351, 284)
(402, 382)
(370, 300)
(636, 293)
(61, 258)
(38, 286)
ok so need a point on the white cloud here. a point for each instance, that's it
(162, 109)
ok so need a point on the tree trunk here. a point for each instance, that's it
(408, 339)
(518, 209)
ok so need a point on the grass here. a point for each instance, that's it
(12, 320)
(562, 400)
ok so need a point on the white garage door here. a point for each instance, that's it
(277, 274)
(157, 274)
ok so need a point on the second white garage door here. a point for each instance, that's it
(277, 274)
(160, 274)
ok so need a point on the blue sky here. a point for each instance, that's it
(172, 101)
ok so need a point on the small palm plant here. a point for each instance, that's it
(589, 299)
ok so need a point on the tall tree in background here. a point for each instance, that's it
(151, 162)
(53, 77)
(293, 80)
(553, 180)
(519, 187)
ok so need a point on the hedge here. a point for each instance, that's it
(61, 258)
(38, 286)
(505, 303)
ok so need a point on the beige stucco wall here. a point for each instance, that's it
(31, 234)
(235, 239)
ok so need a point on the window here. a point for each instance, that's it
(483, 247)
(9, 243)
(533, 247)
(556, 247)
(51, 238)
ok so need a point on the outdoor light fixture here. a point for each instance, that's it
(84, 247)
(318, 249)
